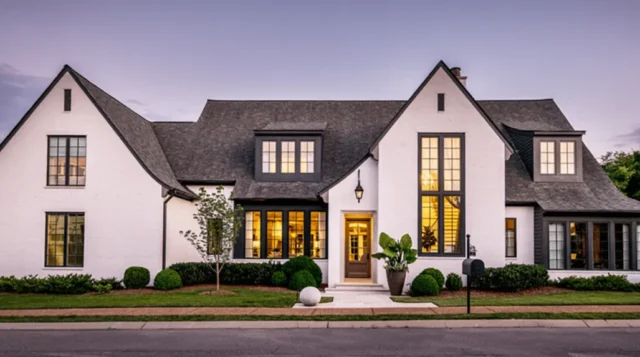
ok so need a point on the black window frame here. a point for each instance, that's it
(279, 176)
(66, 238)
(441, 194)
(441, 102)
(67, 100)
(67, 168)
(239, 251)
(633, 223)
(515, 238)
(576, 176)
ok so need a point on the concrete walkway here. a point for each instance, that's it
(321, 324)
(364, 299)
(172, 311)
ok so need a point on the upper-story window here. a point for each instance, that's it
(269, 157)
(557, 158)
(567, 157)
(307, 160)
(547, 157)
(288, 158)
(67, 160)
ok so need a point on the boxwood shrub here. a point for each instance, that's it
(278, 279)
(52, 284)
(600, 283)
(436, 274)
(301, 279)
(232, 273)
(299, 263)
(512, 278)
(136, 277)
(167, 279)
(424, 285)
(453, 282)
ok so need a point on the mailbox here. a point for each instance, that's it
(473, 267)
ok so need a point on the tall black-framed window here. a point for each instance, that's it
(282, 232)
(67, 160)
(441, 194)
(510, 238)
(64, 241)
(288, 158)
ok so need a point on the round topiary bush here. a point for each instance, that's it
(436, 274)
(454, 282)
(424, 285)
(278, 279)
(300, 280)
(303, 263)
(136, 277)
(167, 279)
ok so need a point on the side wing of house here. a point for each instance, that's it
(75, 198)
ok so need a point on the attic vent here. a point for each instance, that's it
(441, 102)
(67, 100)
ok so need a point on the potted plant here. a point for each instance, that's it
(397, 255)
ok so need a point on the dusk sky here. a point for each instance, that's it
(165, 58)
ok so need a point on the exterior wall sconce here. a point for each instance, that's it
(359, 190)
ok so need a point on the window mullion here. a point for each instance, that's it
(278, 156)
(67, 166)
(66, 239)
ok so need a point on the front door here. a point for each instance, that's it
(358, 248)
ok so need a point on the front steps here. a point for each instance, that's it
(358, 287)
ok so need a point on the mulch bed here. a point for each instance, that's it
(547, 290)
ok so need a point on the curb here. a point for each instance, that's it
(189, 325)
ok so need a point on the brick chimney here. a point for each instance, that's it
(458, 73)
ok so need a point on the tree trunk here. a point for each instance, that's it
(217, 276)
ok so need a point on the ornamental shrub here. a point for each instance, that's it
(278, 279)
(512, 278)
(68, 284)
(167, 279)
(453, 282)
(232, 273)
(436, 274)
(136, 277)
(600, 282)
(301, 279)
(303, 263)
(116, 284)
(101, 288)
(424, 285)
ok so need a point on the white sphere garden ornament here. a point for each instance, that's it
(310, 296)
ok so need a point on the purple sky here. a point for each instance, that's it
(165, 58)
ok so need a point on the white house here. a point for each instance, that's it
(90, 186)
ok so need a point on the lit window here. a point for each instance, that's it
(567, 157)
(296, 233)
(578, 241)
(269, 157)
(65, 240)
(306, 157)
(318, 234)
(510, 238)
(429, 174)
(547, 158)
(556, 246)
(622, 246)
(274, 234)
(252, 234)
(452, 164)
(600, 236)
(430, 232)
(288, 161)
(67, 161)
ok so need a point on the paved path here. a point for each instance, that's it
(571, 342)
(160, 311)
(364, 299)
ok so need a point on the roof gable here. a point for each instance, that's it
(135, 132)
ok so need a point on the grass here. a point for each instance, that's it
(496, 316)
(569, 298)
(241, 298)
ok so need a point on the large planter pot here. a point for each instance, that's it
(396, 282)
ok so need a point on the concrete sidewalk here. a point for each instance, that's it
(261, 311)
(320, 324)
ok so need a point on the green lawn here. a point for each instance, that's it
(241, 298)
(570, 298)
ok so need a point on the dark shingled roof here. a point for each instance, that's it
(293, 126)
(137, 133)
(595, 194)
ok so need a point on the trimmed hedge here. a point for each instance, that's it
(424, 285)
(301, 279)
(598, 283)
(72, 284)
(231, 274)
(453, 282)
(136, 277)
(436, 274)
(297, 264)
(167, 279)
(512, 278)
(278, 279)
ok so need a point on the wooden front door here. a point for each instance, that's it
(358, 248)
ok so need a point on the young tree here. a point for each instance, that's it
(624, 170)
(219, 225)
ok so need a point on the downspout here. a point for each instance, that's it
(164, 228)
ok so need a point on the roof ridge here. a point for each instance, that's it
(306, 100)
(516, 100)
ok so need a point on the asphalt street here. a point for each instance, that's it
(574, 342)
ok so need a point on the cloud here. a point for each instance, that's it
(18, 92)
(629, 140)
(135, 102)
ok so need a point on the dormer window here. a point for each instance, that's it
(289, 152)
(557, 156)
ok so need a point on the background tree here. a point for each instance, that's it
(219, 225)
(624, 170)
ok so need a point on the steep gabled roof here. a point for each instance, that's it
(134, 131)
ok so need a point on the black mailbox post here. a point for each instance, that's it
(471, 268)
